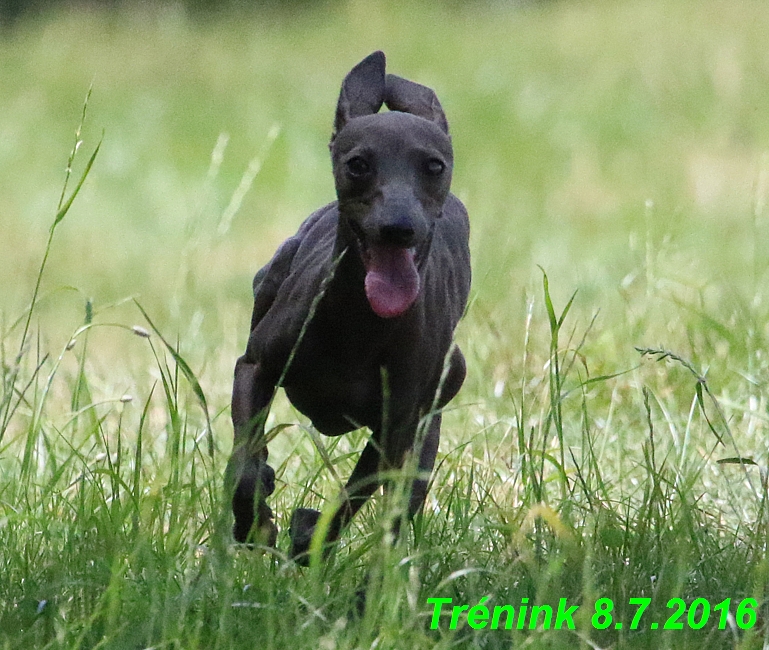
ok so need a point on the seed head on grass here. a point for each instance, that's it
(140, 331)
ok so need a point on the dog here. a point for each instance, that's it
(354, 316)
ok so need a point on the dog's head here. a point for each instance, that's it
(392, 172)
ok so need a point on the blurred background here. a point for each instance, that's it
(622, 146)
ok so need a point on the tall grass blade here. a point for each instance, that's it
(62, 210)
(182, 365)
(556, 379)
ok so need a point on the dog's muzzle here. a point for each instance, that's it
(392, 279)
(392, 275)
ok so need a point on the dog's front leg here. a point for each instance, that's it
(425, 465)
(249, 478)
(363, 482)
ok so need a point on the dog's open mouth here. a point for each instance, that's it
(392, 280)
(392, 277)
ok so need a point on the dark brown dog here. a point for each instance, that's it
(354, 315)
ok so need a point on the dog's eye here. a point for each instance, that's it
(435, 167)
(357, 167)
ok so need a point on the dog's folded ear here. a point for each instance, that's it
(363, 90)
(409, 97)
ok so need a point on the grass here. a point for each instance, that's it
(610, 440)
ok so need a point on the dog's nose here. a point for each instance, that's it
(397, 234)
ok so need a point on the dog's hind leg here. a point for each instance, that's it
(453, 380)
(421, 482)
(454, 377)
(425, 465)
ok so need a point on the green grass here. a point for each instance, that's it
(621, 147)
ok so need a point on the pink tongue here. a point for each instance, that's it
(392, 281)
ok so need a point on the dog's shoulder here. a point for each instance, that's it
(455, 213)
(316, 238)
(453, 234)
(448, 267)
(291, 253)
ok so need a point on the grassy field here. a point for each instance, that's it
(614, 446)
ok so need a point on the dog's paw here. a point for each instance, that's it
(257, 481)
(264, 533)
(300, 531)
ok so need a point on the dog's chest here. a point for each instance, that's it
(337, 396)
(335, 377)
